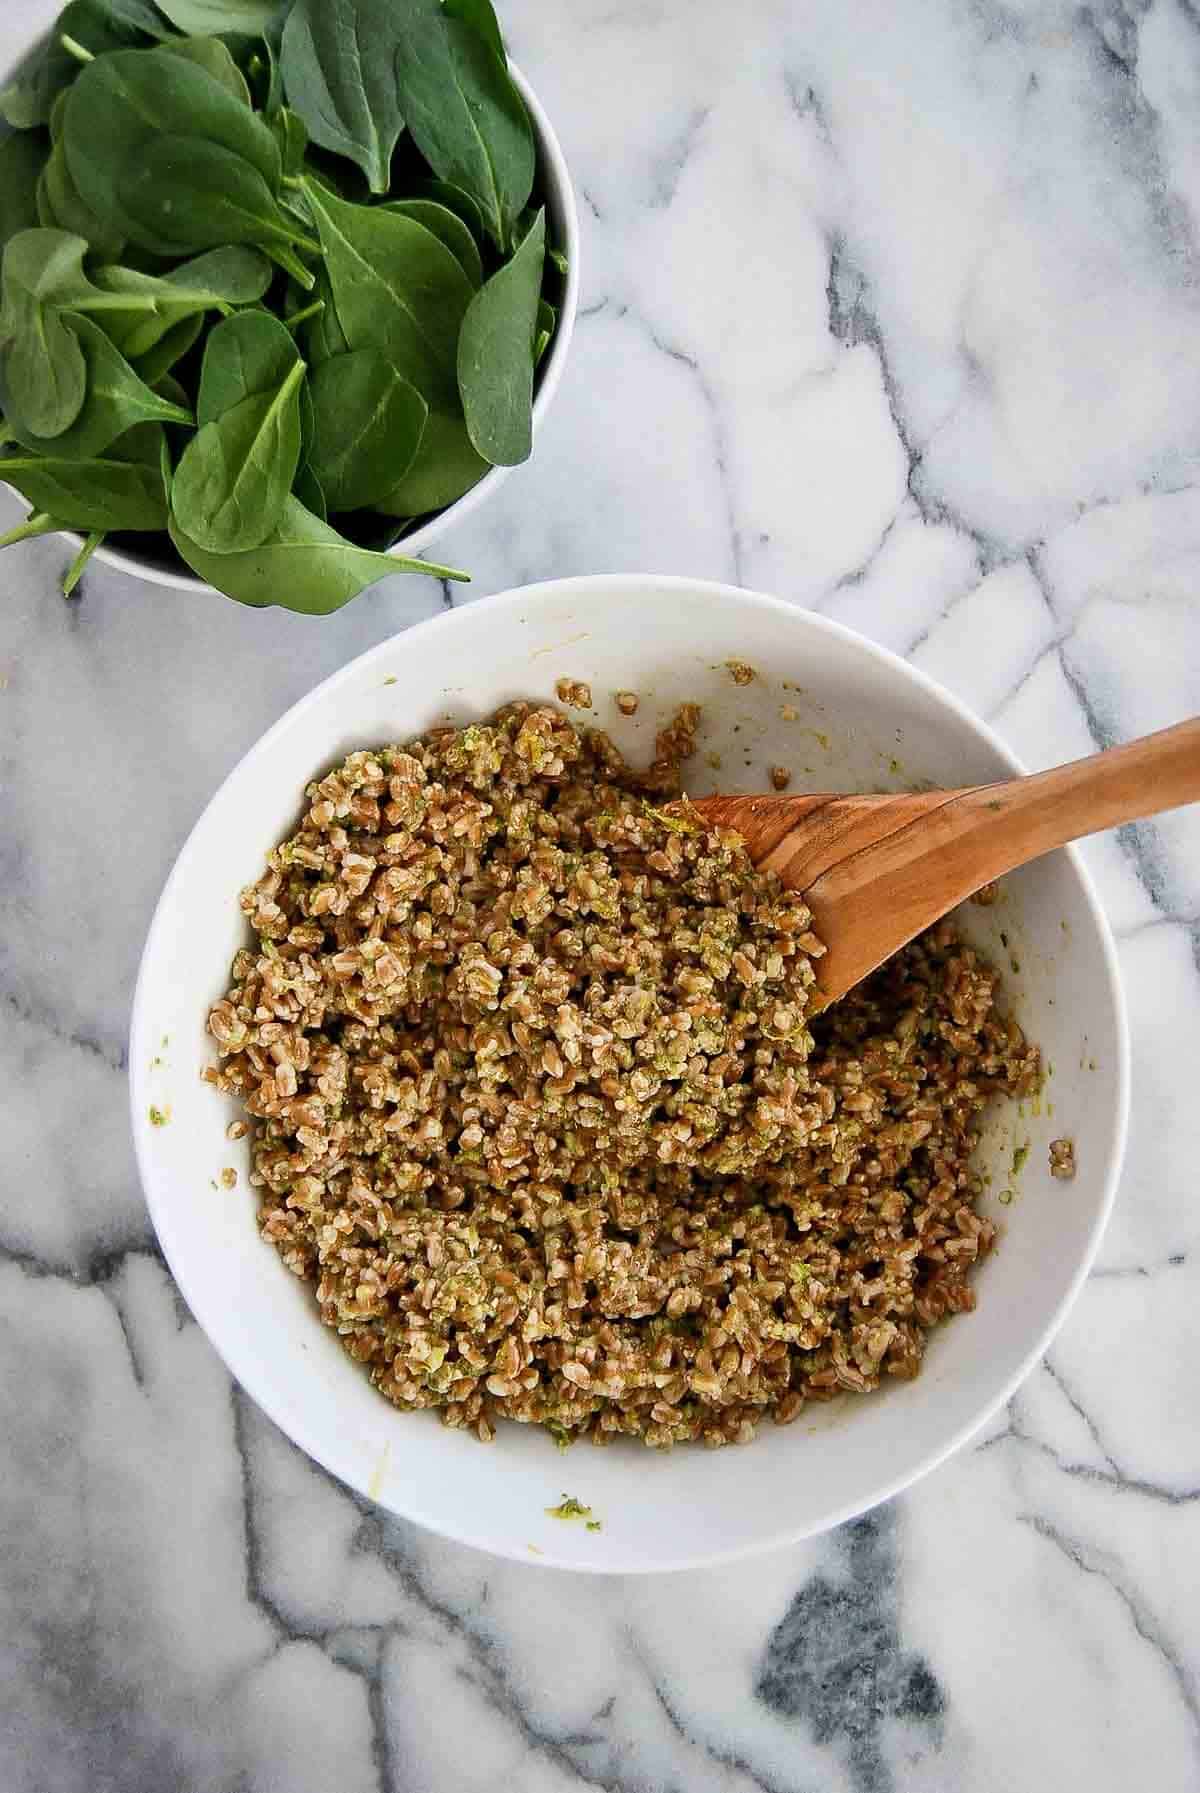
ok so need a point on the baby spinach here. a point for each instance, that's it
(367, 427)
(338, 66)
(444, 467)
(124, 104)
(105, 493)
(448, 227)
(23, 156)
(464, 113)
(214, 57)
(395, 287)
(455, 200)
(116, 398)
(496, 354)
(43, 369)
(235, 474)
(156, 370)
(139, 309)
(305, 566)
(186, 194)
(247, 354)
(170, 349)
(61, 206)
(97, 25)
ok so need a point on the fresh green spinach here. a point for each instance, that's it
(367, 427)
(124, 104)
(98, 26)
(186, 194)
(444, 467)
(158, 372)
(247, 354)
(210, 54)
(338, 65)
(448, 227)
(465, 115)
(106, 493)
(496, 353)
(23, 157)
(235, 474)
(395, 287)
(41, 362)
(116, 398)
(305, 566)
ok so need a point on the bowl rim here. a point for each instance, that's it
(562, 204)
(887, 1486)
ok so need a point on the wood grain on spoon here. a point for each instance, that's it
(876, 870)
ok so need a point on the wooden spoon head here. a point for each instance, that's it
(857, 861)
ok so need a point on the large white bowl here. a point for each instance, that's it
(866, 720)
(562, 219)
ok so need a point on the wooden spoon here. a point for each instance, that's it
(877, 870)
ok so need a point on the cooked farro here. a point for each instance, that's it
(538, 1113)
(1062, 1159)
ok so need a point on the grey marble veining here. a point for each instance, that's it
(892, 309)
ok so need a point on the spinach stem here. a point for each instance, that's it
(39, 523)
(75, 571)
(310, 311)
(76, 49)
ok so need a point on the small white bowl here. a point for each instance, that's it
(863, 719)
(563, 231)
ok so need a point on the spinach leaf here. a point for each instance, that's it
(395, 288)
(480, 15)
(170, 348)
(116, 399)
(23, 156)
(215, 16)
(454, 199)
(445, 225)
(42, 364)
(367, 426)
(137, 310)
(100, 26)
(78, 566)
(210, 54)
(444, 467)
(61, 206)
(247, 354)
(305, 566)
(464, 114)
(338, 67)
(109, 492)
(496, 353)
(123, 104)
(186, 194)
(235, 474)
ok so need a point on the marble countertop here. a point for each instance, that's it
(890, 308)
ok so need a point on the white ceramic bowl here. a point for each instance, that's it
(866, 720)
(563, 231)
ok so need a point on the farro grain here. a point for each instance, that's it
(538, 1113)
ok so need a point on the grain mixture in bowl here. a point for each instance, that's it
(538, 1112)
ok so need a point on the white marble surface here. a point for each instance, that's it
(891, 308)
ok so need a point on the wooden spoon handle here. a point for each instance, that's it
(1011, 823)
(875, 871)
